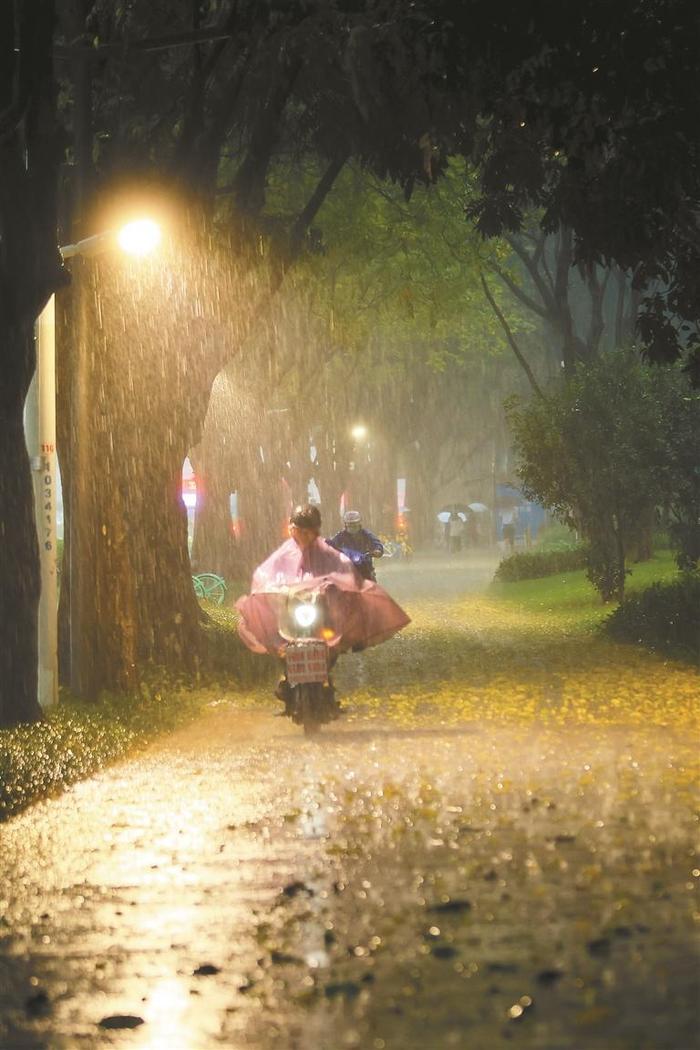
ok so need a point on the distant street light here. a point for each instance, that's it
(136, 238)
(361, 465)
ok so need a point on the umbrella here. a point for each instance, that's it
(455, 508)
(478, 508)
(445, 515)
(508, 496)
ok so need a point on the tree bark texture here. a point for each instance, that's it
(30, 269)
(214, 545)
(19, 553)
(243, 449)
(127, 429)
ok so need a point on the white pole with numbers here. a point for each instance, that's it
(41, 443)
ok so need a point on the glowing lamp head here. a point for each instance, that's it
(305, 615)
(139, 237)
(359, 432)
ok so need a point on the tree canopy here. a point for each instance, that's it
(608, 446)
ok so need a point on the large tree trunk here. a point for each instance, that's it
(332, 474)
(214, 546)
(214, 460)
(298, 470)
(241, 450)
(420, 495)
(19, 554)
(384, 475)
(641, 540)
(128, 425)
(169, 617)
(29, 272)
(264, 507)
(154, 337)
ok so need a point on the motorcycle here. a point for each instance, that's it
(308, 656)
(307, 623)
(362, 560)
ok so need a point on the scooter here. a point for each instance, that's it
(362, 560)
(308, 656)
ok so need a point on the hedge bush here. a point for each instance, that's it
(557, 537)
(665, 616)
(531, 565)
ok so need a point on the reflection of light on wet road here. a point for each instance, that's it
(313, 821)
(398, 882)
(169, 921)
(165, 1016)
(316, 958)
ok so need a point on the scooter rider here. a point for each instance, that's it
(360, 613)
(358, 543)
(317, 558)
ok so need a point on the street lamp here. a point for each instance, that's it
(360, 436)
(136, 238)
(139, 237)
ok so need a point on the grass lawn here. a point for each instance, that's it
(570, 600)
(526, 652)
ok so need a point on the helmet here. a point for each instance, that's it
(352, 520)
(306, 516)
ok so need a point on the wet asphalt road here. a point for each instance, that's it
(478, 884)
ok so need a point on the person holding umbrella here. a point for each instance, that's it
(456, 530)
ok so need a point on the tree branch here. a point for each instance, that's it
(620, 306)
(597, 289)
(520, 294)
(156, 43)
(532, 268)
(564, 255)
(313, 205)
(511, 339)
(250, 177)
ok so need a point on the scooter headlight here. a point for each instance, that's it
(305, 615)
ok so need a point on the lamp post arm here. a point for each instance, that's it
(101, 242)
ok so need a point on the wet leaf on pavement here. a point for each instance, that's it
(121, 1021)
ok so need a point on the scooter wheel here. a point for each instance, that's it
(309, 706)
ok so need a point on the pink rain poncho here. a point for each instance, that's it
(361, 612)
